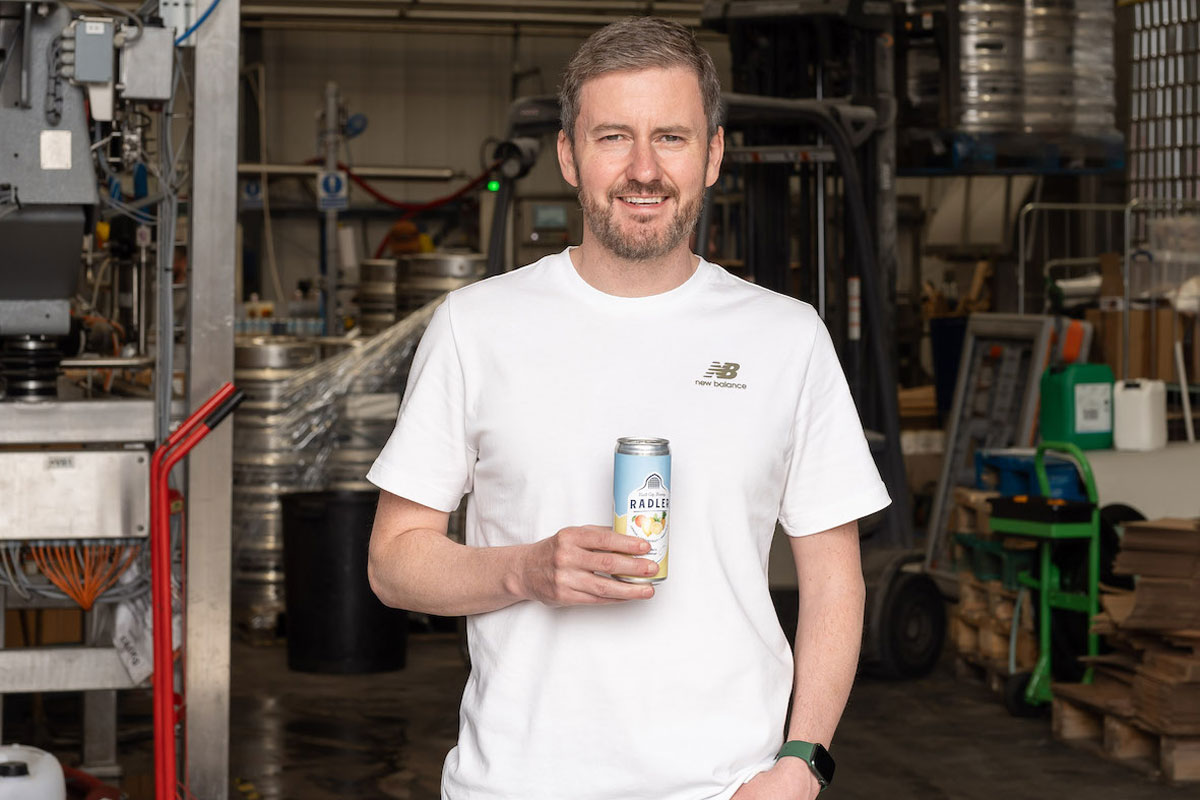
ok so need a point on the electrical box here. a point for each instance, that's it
(148, 65)
(93, 50)
(178, 16)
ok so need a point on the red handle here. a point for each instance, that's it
(166, 456)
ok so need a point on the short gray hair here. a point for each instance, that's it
(637, 43)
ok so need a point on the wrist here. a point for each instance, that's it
(513, 581)
(799, 778)
(813, 756)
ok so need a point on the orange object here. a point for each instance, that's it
(83, 572)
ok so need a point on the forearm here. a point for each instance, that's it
(828, 638)
(413, 565)
(424, 571)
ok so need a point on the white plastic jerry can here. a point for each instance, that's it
(27, 773)
(1139, 415)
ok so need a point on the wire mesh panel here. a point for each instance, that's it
(1064, 241)
(1162, 292)
(1164, 126)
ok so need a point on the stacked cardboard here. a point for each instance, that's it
(983, 621)
(1159, 621)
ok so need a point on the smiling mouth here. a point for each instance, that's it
(642, 202)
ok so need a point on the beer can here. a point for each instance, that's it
(642, 498)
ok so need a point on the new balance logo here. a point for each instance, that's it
(726, 372)
(720, 375)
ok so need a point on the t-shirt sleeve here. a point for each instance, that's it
(831, 478)
(427, 459)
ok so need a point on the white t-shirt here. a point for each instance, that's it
(518, 393)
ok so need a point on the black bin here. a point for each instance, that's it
(335, 623)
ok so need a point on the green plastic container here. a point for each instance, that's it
(1077, 405)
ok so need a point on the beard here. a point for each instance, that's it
(646, 240)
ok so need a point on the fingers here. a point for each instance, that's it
(595, 537)
(599, 590)
(563, 569)
(597, 549)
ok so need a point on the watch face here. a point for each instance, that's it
(823, 763)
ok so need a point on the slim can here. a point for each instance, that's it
(642, 498)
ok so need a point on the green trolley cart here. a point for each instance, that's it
(1050, 522)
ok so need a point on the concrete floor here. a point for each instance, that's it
(383, 737)
(296, 736)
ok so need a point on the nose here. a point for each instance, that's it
(643, 163)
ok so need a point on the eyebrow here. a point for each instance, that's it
(616, 127)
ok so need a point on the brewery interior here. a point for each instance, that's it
(225, 225)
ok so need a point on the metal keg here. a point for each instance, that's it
(377, 377)
(267, 461)
(262, 367)
(990, 40)
(377, 294)
(1048, 70)
(426, 276)
(348, 468)
(1094, 73)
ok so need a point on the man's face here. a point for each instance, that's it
(641, 159)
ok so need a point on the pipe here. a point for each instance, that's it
(107, 363)
(331, 141)
(26, 53)
(376, 173)
(406, 26)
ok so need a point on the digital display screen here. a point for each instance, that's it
(548, 217)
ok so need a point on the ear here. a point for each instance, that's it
(566, 160)
(716, 152)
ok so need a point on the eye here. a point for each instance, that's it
(612, 137)
(671, 138)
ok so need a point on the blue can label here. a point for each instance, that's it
(642, 503)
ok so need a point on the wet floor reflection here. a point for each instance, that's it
(297, 736)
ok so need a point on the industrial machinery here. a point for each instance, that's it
(95, 363)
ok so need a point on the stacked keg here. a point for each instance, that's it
(990, 68)
(377, 295)
(1094, 74)
(923, 71)
(1035, 66)
(366, 416)
(426, 276)
(266, 464)
(1048, 74)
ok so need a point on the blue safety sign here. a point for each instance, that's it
(332, 191)
(252, 193)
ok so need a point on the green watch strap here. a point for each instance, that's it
(799, 749)
(805, 751)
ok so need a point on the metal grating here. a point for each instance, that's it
(1164, 125)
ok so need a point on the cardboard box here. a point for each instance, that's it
(972, 512)
(57, 626)
(1152, 338)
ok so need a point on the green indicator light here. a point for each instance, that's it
(493, 186)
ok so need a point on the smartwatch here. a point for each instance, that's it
(816, 756)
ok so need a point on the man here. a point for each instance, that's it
(583, 686)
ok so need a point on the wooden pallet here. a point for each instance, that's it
(1099, 719)
(992, 672)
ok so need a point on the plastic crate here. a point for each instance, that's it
(1011, 473)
